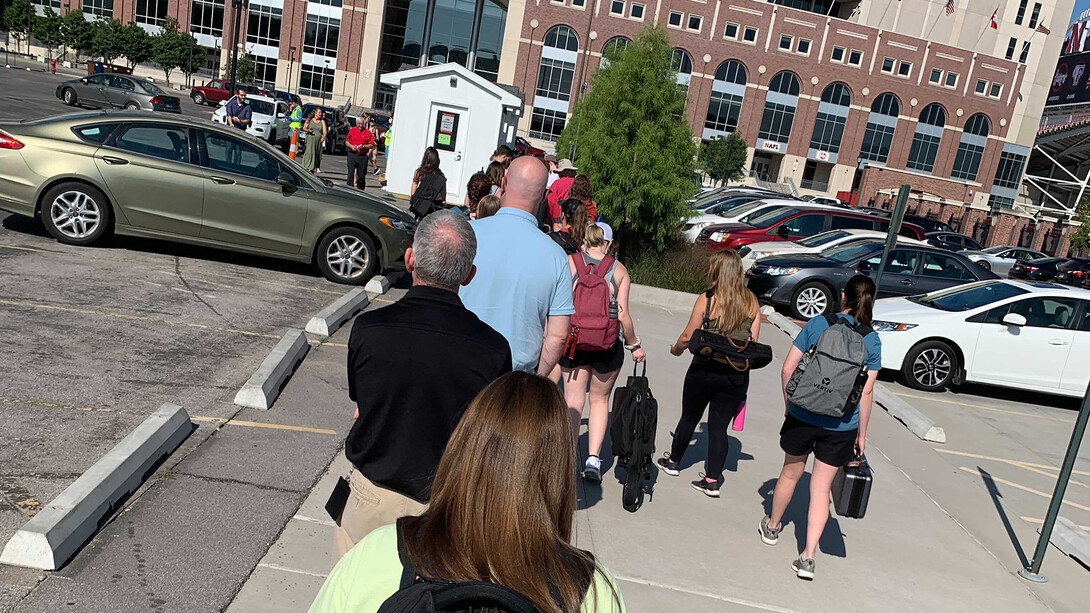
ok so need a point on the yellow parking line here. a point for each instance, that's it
(1034, 520)
(336, 345)
(977, 456)
(254, 424)
(984, 408)
(25, 248)
(386, 300)
(1023, 488)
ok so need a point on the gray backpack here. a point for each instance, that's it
(830, 376)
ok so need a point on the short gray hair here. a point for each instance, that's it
(444, 247)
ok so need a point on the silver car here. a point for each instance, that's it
(1000, 260)
(106, 91)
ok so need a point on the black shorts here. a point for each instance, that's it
(833, 447)
(603, 362)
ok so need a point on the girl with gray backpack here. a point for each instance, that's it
(828, 379)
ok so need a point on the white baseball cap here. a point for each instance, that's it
(607, 232)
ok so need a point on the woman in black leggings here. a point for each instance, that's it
(727, 308)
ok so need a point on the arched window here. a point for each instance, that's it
(617, 43)
(829, 128)
(728, 89)
(683, 64)
(925, 143)
(779, 114)
(881, 124)
(554, 82)
(971, 148)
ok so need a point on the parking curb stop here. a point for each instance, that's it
(665, 298)
(261, 391)
(1069, 538)
(381, 284)
(332, 317)
(916, 422)
(54, 535)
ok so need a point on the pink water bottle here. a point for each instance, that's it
(739, 419)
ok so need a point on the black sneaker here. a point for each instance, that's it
(669, 466)
(710, 488)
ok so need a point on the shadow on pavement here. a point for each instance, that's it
(832, 539)
(991, 392)
(993, 491)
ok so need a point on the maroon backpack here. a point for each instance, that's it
(592, 327)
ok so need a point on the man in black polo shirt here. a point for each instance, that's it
(413, 367)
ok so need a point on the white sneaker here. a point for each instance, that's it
(592, 471)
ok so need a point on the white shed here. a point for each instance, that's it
(464, 116)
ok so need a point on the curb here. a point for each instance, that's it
(381, 284)
(916, 422)
(332, 317)
(54, 535)
(1072, 540)
(261, 391)
(665, 298)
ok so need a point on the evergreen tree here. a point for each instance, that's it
(47, 29)
(630, 137)
(136, 44)
(724, 158)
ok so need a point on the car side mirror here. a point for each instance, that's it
(280, 115)
(1014, 319)
(783, 232)
(864, 266)
(287, 181)
(84, 80)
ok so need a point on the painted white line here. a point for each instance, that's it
(297, 571)
(739, 601)
(320, 522)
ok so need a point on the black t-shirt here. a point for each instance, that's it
(413, 368)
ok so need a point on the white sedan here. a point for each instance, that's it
(740, 214)
(1025, 335)
(814, 244)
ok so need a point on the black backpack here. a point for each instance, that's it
(632, 434)
(423, 595)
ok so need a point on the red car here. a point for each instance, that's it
(216, 91)
(792, 223)
(525, 148)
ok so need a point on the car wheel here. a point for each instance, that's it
(198, 98)
(132, 106)
(811, 300)
(70, 97)
(930, 366)
(76, 213)
(984, 264)
(347, 255)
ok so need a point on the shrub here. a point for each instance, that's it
(681, 267)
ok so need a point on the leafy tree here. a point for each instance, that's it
(108, 41)
(246, 69)
(136, 44)
(1080, 240)
(191, 56)
(47, 29)
(77, 33)
(629, 136)
(166, 47)
(724, 158)
(17, 17)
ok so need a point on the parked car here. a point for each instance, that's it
(1074, 272)
(927, 223)
(216, 91)
(1041, 269)
(814, 244)
(336, 126)
(809, 284)
(107, 91)
(740, 205)
(953, 241)
(268, 121)
(1002, 259)
(192, 181)
(709, 196)
(792, 223)
(1023, 335)
(382, 124)
(524, 147)
(823, 200)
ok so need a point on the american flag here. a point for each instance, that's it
(1043, 30)
(949, 7)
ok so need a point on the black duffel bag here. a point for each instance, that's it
(739, 355)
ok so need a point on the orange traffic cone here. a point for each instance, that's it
(294, 144)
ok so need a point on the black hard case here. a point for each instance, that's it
(851, 489)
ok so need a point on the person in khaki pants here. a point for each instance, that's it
(413, 367)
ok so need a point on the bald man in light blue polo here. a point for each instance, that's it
(523, 286)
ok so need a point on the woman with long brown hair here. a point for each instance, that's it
(573, 226)
(501, 511)
(582, 191)
(429, 188)
(726, 308)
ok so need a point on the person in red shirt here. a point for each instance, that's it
(559, 191)
(359, 143)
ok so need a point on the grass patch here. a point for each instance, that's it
(683, 268)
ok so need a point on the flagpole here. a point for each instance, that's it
(996, 13)
(936, 22)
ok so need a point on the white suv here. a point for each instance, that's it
(269, 119)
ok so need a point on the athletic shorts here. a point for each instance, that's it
(833, 447)
(603, 362)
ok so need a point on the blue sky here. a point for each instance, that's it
(1080, 6)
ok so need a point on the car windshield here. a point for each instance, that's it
(818, 240)
(847, 253)
(765, 218)
(970, 296)
(152, 88)
(994, 250)
(262, 107)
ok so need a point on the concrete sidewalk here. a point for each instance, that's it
(684, 551)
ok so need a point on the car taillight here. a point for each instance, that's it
(7, 142)
(156, 100)
(1078, 273)
(1030, 268)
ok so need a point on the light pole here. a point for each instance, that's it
(237, 6)
(324, 72)
(291, 65)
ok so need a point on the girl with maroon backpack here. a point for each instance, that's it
(602, 330)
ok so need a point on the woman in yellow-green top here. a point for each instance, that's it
(507, 505)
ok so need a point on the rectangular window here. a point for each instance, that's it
(1009, 172)
(838, 54)
(326, 2)
(263, 25)
(936, 76)
(546, 124)
(828, 132)
(321, 35)
(637, 11)
(1035, 14)
(951, 79)
(996, 91)
(1021, 12)
(578, 3)
(785, 42)
(723, 112)
(616, 7)
(967, 162)
(887, 64)
(554, 79)
(981, 86)
(151, 12)
(206, 17)
(876, 143)
(264, 67)
(695, 21)
(921, 156)
(316, 80)
(776, 122)
(99, 8)
(749, 35)
(855, 57)
(804, 46)
(674, 19)
(1011, 45)
(904, 69)
(1025, 53)
(730, 30)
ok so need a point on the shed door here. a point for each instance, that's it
(449, 133)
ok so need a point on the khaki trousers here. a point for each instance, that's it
(370, 506)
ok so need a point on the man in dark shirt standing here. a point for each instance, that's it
(413, 367)
(238, 112)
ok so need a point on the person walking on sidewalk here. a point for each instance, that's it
(833, 440)
(576, 368)
(502, 512)
(523, 284)
(729, 309)
(413, 367)
(429, 187)
(360, 142)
